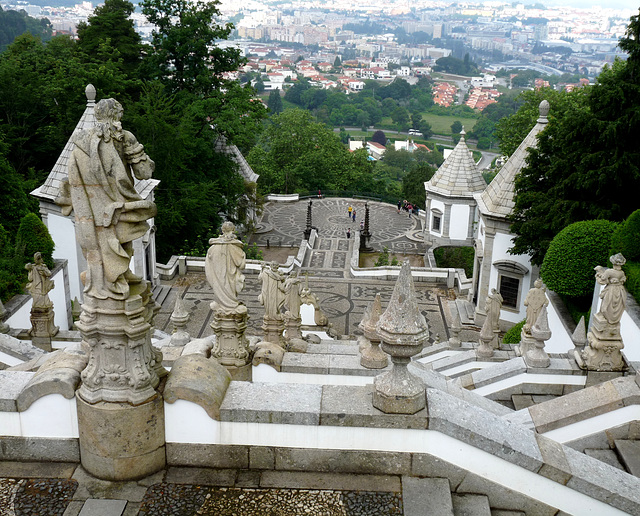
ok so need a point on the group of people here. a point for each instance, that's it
(351, 213)
(411, 209)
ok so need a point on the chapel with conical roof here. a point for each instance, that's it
(450, 205)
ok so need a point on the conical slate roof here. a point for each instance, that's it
(244, 168)
(497, 199)
(49, 190)
(458, 176)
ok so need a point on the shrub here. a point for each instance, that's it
(632, 270)
(11, 269)
(626, 238)
(33, 237)
(456, 257)
(383, 258)
(513, 335)
(567, 267)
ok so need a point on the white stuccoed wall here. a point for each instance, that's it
(63, 232)
(459, 224)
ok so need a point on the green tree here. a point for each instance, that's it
(14, 23)
(425, 129)
(33, 237)
(413, 184)
(296, 154)
(400, 117)
(111, 26)
(337, 63)
(275, 102)
(379, 137)
(456, 127)
(184, 53)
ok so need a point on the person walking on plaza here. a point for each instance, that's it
(354, 215)
(399, 206)
(348, 232)
(349, 210)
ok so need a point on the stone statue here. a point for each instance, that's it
(272, 295)
(535, 300)
(223, 268)
(492, 307)
(293, 290)
(40, 283)
(614, 295)
(604, 341)
(110, 214)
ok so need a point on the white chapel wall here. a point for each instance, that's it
(459, 224)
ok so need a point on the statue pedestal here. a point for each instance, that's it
(536, 356)
(292, 327)
(119, 441)
(42, 328)
(602, 352)
(273, 329)
(484, 349)
(527, 342)
(120, 413)
(231, 348)
(398, 391)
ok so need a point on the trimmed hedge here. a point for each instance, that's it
(513, 335)
(567, 267)
(632, 271)
(33, 237)
(626, 238)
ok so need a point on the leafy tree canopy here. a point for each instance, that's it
(586, 163)
(14, 23)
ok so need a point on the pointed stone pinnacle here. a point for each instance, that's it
(179, 311)
(374, 315)
(579, 336)
(402, 319)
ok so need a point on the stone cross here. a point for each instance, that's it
(602, 352)
(403, 331)
(42, 316)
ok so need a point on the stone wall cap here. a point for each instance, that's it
(200, 380)
(12, 383)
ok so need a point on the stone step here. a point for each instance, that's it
(426, 497)
(629, 453)
(160, 292)
(465, 309)
(470, 505)
(606, 455)
(99, 507)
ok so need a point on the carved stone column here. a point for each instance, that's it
(403, 331)
(231, 347)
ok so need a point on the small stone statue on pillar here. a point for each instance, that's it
(403, 331)
(179, 319)
(118, 394)
(223, 267)
(292, 318)
(485, 341)
(493, 306)
(535, 301)
(602, 352)
(456, 328)
(536, 356)
(363, 341)
(372, 357)
(42, 316)
(272, 297)
(4, 327)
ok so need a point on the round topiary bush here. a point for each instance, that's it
(567, 267)
(513, 335)
(32, 237)
(626, 238)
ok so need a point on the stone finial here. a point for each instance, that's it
(90, 92)
(543, 109)
(579, 336)
(536, 356)
(372, 357)
(179, 319)
(462, 133)
(404, 331)
(456, 328)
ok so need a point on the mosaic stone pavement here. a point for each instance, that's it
(342, 298)
(52, 497)
(283, 224)
(185, 500)
(42, 497)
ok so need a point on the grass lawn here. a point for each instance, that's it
(441, 124)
